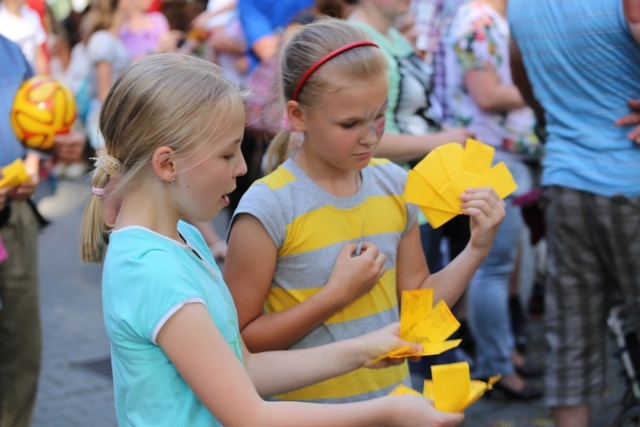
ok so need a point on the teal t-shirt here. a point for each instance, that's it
(147, 278)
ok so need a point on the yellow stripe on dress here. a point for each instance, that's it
(329, 225)
(354, 383)
(381, 297)
(277, 179)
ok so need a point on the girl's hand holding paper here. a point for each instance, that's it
(452, 389)
(380, 344)
(423, 323)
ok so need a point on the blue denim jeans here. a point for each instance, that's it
(488, 292)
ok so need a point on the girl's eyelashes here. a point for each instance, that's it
(348, 125)
(232, 155)
(354, 123)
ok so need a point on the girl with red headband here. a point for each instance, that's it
(330, 241)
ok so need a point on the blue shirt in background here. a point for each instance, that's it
(14, 70)
(583, 65)
(261, 18)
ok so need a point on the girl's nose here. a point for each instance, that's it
(241, 168)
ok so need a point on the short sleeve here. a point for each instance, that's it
(254, 21)
(411, 209)
(472, 40)
(262, 202)
(100, 48)
(165, 287)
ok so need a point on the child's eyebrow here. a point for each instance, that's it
(371, 114)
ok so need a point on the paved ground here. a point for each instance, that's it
(76, 387)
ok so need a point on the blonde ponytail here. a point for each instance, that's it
(278, 150)
(139, 115)
(94, 234)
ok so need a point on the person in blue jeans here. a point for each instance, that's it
(481, 96)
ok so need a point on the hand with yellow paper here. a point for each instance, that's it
(423, 323)
(452, 389)
(378, 345)
(453, 180)
(14, 174)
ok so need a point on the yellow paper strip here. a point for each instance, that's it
(416, 305)
(437, 217)
(478, 388)
(429, 349)
(500, 179)
(402, 390)
(419, 192)
(432, 170)
(14, 174)
(477, 157)
(438, 325)
(449, 384)
(450, 155)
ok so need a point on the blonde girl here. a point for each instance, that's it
(329, 238)
(172, 127)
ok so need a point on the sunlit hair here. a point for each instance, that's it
(169, 100)
(311, 43)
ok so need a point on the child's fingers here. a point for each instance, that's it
(368, 246)
(486, 215)
(482, 201)
(348, 249)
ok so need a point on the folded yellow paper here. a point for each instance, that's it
(436, 183)
(451, 389)
(403, 389)
(421, 322)
(14, 174)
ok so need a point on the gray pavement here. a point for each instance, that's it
(76, 388)
(74, 339)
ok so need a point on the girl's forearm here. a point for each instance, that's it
(276, 372)
(449, 283)
(279, 331)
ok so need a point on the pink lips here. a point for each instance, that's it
(364, 155)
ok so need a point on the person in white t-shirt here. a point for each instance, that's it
(21, 24)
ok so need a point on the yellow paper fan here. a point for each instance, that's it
(437, 182)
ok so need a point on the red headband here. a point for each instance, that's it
(326, 58)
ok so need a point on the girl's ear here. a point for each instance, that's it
(163, 164)
(296, 116)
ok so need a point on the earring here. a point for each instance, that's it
(173, 181)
